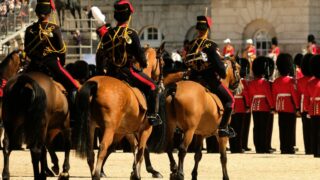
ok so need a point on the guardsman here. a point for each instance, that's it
(313, 93)
(261, 102)
(312, 46)
(286, 98)
(204, 61)
(45, 47)
(122, 49)
(228, 49)
(250, 51)
(301, 86)
(241, 108)
(275, 50)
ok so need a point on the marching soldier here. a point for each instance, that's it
(301, 87)
(45, 47)
(313, 93)
(121, 46)
(261, 103)
(286, 98)
(228, 49)
(204, 61)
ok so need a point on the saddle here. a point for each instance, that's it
(217, 100)
(139, 95)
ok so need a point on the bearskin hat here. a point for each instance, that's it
(44, 7)
(305, 65)
(269, 68)
(298, 59)
(122, 10)
(245, 66)
(284, 64)
(314, 66)
(311, 38)
(203, 23)
(259, 66)
(274, 41)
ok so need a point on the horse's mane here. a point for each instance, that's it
(4, 63)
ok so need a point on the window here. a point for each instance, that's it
(262, 42)
(151, 36)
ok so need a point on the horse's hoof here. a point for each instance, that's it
(134, 176)
(42, 177)
(156, 175)
(55, 169)
(225, 178)
(176, 176)
(103, 175)
(64, 176)
(48, 173)
(95, 178)
(174, 168)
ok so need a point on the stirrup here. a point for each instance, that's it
(227, 132)
(154, 119)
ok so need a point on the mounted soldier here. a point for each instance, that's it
(122, 49)
(46, 49)
(204, 61)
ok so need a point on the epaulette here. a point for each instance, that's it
(209, 43)
(130, 30)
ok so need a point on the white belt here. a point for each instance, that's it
(259, 96)
(284, 95)
(238, 97)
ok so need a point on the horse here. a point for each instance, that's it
(195, 111)
(35, 107)
(118, 110)
(74, 6)
(9, 67)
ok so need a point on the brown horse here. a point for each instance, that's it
(118, 110)
(194, 110)
(8, 68)
(35, 107)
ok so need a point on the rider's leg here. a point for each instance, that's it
(227, 100)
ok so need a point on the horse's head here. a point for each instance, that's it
(233, 76)
(12, 64)
(153, 67)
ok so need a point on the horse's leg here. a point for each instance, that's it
(197, 157)
(182, 153)
(142, 143)
(90, 152)
(54, 160)
(67, 146)
(155, 174)
(44, 164)
(223, 156)
(6, 153)
(107, 139)
(36, 156)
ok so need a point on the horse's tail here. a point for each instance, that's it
(82, 131)
(26, 100)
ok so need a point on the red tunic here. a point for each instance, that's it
(228, 50)
(242, 100)
(313, 96)
(285, 94)
(260, 95)
(299, 73)
(301, 87)
(276, 51)
(2, 85)
(312, 49)
(252, 51)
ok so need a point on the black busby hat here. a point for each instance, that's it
(311, 38)
(259, 66)
(298, 59)
(44, 7)
(122, 10)
(314, 66)
(305, 65)
(285, 64)
(274, 41)
(245, 66)
(203, 23)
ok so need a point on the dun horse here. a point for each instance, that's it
(34, 106)
(8, 68)
(117, 109)
(196, 111)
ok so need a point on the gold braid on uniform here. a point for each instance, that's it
(45, 34)
(126, 37)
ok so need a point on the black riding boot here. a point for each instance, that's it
(224, 129)
(153, 108)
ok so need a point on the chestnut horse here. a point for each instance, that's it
(34, 106)
(8, 68)
(111, 105)
(193, 110)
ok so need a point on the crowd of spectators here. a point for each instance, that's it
(17, 7)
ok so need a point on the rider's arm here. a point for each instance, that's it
(214, 58)
(60, 45)
(137, 50)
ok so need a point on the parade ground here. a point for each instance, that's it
(240, 166)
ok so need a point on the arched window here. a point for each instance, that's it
(151, 36)
(262, 42)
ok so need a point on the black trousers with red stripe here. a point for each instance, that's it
(287, 127)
